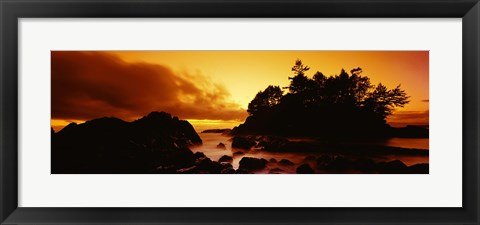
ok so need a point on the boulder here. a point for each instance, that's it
(252, 164)
(271, 143)
(392, 167)
(305, 169)
(410, 132)
(238, 153)
(225, 158)
(323, 161)
(199, 155)
(156, 143)
(243, 171)
(208, 166)
(364, 165)
(218, 131)
(421, 168)
(229, 170)
(340, 164)
(243, 142)
(221, 146)
(286, 162)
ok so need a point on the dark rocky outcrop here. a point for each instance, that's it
(305, 169)
(340, 163)
(228, 170)
(238, 153)
(156, 143)
(392, 167)
(218, 131)
(364, 165)
(324, 160)
(221, 146)
(208, 166)
(421, 168)
(225, 158)
(204, 165)
(246, 142)
(199, 155)
(410, 132)
(285, 162)
(272, 142)
(252, 164)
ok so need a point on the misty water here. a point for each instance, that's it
(211, 140)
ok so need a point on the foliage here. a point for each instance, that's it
(347, 103)
(265, 100)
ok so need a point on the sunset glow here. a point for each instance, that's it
(212, 89)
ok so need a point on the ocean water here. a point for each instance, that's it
(211, 140)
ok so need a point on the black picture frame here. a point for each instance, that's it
(12, 10)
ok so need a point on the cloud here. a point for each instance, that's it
(88, 85)
(425, 100)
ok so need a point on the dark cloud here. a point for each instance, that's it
(87, 85)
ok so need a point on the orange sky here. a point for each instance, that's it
(212, 89)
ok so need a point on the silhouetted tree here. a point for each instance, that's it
(383, 101)
(265, 100)
(299, 82)
(344, 104)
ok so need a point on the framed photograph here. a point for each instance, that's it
(239, 112)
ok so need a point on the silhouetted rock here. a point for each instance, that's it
(272, 142)
(221, 146)
(323, 161)
(199, 155)
(178, 158)
(243, 142)
(252, 164)
(272, 160)
(286, 162)
(392, 167)
(364, 165)
(243, 171)
(340, 163)
(421, 168)
(208, 166)
(238, 153)
(305, 169)
(228, 170)
(276, 171)
(225, 158)
(218, 131)
(410, 132)
(166, 130)
(156, 143)
(171, 161)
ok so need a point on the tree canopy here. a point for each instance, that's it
(265, 100)
(347, 103)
